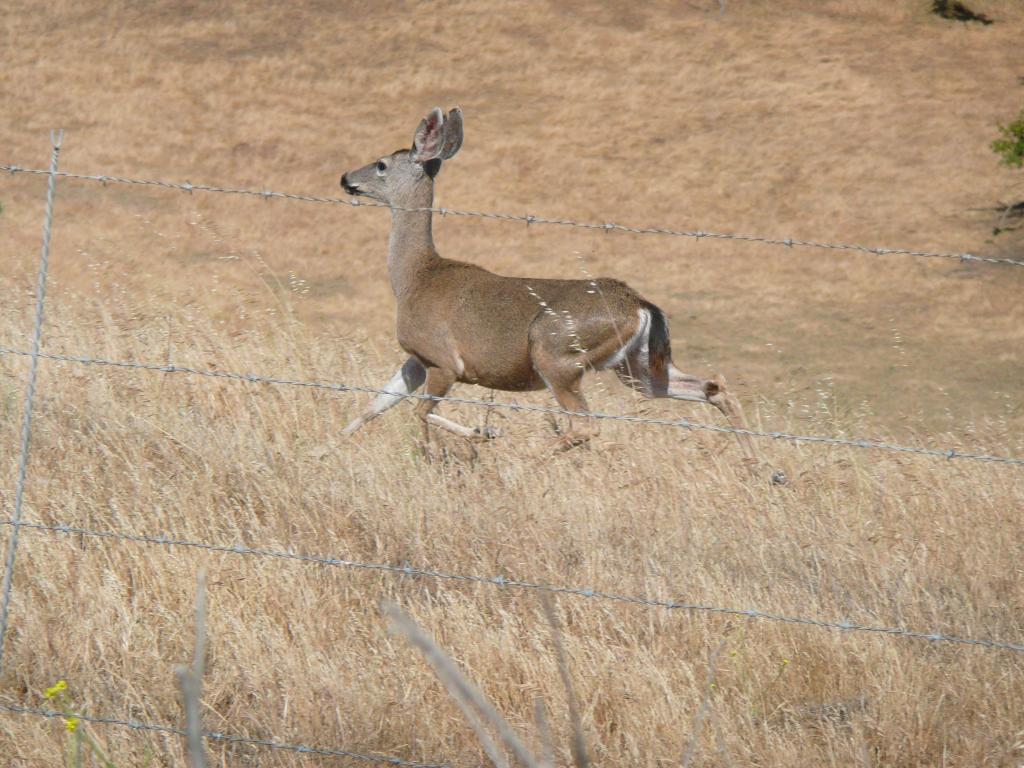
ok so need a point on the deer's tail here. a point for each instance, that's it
(659, 348)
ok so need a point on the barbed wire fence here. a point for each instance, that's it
(302, 749)
(35, 354)
(528, 219)
(253, 378)
(505, 582)
(26, 429)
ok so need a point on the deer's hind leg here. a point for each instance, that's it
(561, 365)
(635, 372)
(682, 386)
(582, 428)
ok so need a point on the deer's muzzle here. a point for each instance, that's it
(348, 186)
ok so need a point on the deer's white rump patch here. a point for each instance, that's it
(636, 345)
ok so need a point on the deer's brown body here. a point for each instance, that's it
(460, 322)
(459, 296)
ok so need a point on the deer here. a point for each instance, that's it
(459, 322)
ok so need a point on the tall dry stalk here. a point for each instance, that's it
(190, 682)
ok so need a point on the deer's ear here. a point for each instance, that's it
(429, 137)
(452, 134)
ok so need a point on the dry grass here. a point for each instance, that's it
(299, 652)
(784, 118)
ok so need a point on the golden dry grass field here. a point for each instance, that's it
(862, 121)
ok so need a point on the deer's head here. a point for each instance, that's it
(397, 179)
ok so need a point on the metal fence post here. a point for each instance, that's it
(56, 137)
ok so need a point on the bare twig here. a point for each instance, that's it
(579, 746)
(539, 714)
(469, 698)
(190, 680)
(705, 705)
(723, 753)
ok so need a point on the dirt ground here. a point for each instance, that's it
(861, 121)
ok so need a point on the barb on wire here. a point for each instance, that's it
(505, 582)
(529, 219)
(945, 453)
(56, 138)
(224, 737)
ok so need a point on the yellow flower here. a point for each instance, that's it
(71, 724)
(57, 689)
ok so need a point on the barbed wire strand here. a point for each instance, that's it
(945, 453)
(56, 137)
(503, 581)
(224, 737)
(527, 219)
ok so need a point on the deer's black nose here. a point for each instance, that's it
(352, 189)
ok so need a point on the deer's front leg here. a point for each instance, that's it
(406, 380)
(439, 383)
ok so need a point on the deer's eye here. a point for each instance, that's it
(381, 167)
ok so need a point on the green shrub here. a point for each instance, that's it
(1010, 144)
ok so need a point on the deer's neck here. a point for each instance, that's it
(411, 244)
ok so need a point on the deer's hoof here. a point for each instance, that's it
(569, 441)
(485, 433)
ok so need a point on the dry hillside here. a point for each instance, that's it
(858, 121)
